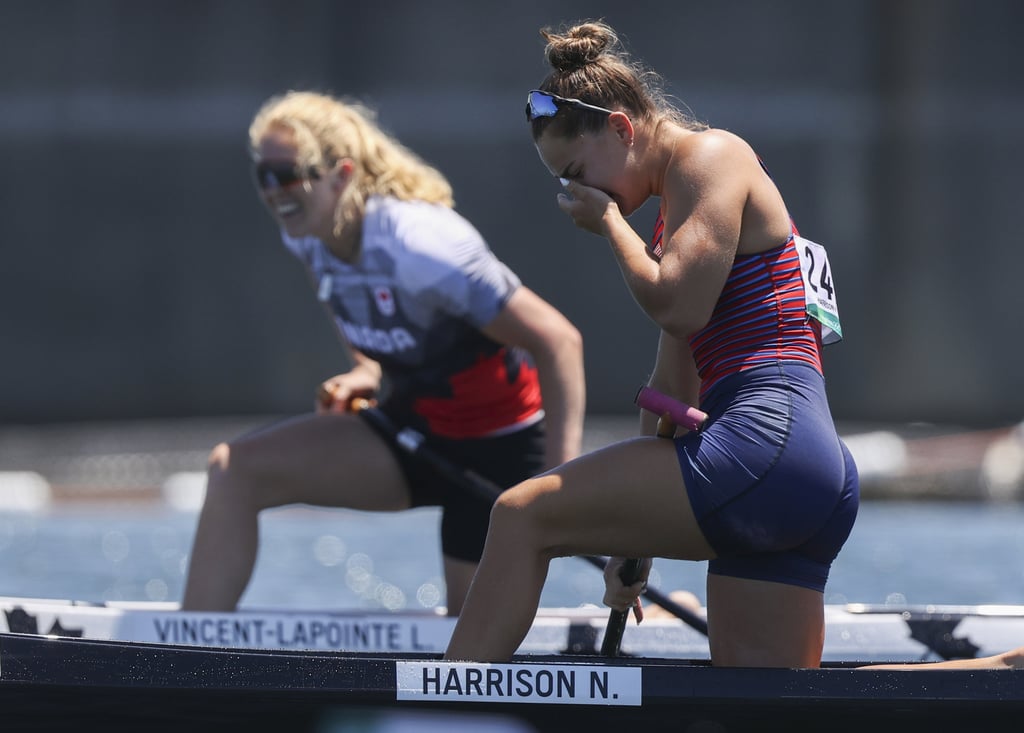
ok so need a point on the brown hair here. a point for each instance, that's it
(327, 130)
(589, 63)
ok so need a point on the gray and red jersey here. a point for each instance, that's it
(424, 285)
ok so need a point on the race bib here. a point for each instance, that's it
(819, 290)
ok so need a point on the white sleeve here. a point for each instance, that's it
(453, 268)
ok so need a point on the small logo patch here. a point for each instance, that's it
(385, 300)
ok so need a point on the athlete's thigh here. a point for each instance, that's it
(628, 499)
(325, 460)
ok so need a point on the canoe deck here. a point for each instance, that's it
(864, 633)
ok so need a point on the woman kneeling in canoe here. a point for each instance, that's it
(490, 374)
(765, 491)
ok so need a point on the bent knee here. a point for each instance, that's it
(527, 501)
(515, 509)
(222, 476)
(511, 506)
(522, 513)
(219, 458)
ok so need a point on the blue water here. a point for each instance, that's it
(899, 553)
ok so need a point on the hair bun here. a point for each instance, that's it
(578, 46)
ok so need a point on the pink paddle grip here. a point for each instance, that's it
(680, 412)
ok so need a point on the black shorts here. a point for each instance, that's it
(506, 460)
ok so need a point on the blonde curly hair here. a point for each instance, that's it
(327, 129)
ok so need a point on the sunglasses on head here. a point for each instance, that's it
(546, 104)
(277, 174)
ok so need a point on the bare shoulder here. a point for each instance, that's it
(709, 161)
(713, 147)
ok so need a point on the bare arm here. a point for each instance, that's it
(706, 186)
(675, 374)
(556, 346)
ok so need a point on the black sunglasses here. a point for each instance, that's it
(546, 104)
(276, 174)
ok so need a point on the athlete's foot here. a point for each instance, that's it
(1013, 659)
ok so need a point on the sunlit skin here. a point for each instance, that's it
(709, 218)
(337, 460)
(609, 162)
(608, 175)
(629, 500)
(305, 208)
(578, 508)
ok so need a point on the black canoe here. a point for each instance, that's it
(60, 683)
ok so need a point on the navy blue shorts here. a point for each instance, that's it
(505, 460)
(773, 487)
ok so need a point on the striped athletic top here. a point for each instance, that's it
(760, 317)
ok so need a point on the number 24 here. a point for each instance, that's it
(824, 279)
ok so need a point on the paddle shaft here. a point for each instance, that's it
(412, 442)
(616, 627)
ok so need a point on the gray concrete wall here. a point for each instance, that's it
(141, 278)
